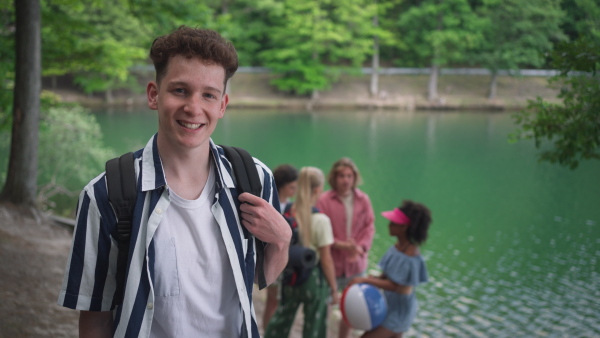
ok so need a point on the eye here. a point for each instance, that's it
(209, 96)
(179, 90)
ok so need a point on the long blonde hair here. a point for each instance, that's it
(308, 180)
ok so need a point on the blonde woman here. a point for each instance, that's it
(315, 233)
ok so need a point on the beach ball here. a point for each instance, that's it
(363, 306)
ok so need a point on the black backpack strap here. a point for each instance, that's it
(248, 180)
(122, 192)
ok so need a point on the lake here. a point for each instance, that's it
(514, 244)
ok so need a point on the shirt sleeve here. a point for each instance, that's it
(364, 237)
(89, 280)
(322, 235)
(404, 270)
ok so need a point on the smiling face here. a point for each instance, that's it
(190, 100)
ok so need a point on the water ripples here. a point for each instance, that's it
(545, 286)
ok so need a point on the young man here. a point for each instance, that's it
(191, 261)
(353, 224)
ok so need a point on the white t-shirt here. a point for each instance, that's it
(321, 232)
(349, 207)
(194, 285)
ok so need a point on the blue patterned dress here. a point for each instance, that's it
(403, 270)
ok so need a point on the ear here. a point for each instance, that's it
(152, 95)
(224, 103)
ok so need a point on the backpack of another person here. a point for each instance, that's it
(301, 260)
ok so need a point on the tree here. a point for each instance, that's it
(71, 150)
(97, 41)
(573, 126)
(314, 41)
(382, 37)
(439, 33)
(517, 34)
(20, 185)
(7, 64)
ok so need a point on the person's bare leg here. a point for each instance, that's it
(381, 332)
(344, 329)
(270, 305)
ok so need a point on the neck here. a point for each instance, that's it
(344, 193)
(403, 245)
(186, 171)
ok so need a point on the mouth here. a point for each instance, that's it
(192, 126)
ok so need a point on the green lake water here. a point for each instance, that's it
(514, 245)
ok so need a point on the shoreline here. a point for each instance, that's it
(396, 92)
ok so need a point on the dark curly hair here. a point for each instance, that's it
(420, 219)
(204, 44)
(284, 174)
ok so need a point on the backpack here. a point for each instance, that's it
(301, 260)
(122, 193)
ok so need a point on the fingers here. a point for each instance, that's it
(249, 198)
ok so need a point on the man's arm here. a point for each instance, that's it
(364, 237)
(94, 324)
(268, 225)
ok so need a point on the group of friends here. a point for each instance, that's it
(339, 224)
(197, 245)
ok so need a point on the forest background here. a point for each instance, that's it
(302, 49)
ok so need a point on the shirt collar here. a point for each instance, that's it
(153, 176)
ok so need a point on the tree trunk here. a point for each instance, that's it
(493, 85)
(108, 95)
(432, 93)
(375, 65)
(20, 187)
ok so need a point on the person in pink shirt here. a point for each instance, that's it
(352, 221)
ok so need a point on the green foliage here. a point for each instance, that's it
(70, 151)
(573, 126)
(581, 18)
(158, 18)
(7, 64)
(316, 36)
(518, 33)
(438, 32)
(97, 41)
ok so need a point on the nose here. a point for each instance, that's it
(193, 105)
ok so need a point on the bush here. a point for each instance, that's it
(70, 152)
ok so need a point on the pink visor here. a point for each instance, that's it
(396, 216)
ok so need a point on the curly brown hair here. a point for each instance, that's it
(420, 220)
(204, 44)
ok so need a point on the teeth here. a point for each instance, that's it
(190, 125)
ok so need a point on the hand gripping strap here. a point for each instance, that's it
(122, 192)
(248, 180)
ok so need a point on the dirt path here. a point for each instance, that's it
(32, 260)
(33, 255)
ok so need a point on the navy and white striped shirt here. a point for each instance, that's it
(89, 283)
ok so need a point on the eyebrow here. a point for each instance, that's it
(185, 84)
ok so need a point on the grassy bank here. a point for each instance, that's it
(398, 92)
